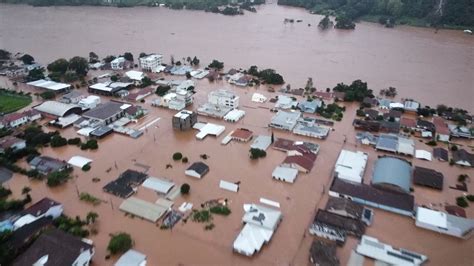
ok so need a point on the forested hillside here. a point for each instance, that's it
(418, 12)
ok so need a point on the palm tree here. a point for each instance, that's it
(91, 217)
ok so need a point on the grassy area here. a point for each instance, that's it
(10, 102)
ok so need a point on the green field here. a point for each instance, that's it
(12, 102)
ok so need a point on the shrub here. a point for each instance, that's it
(89, 198)
(47, 95)
(454, 147)
(202, 216)
(57, 178)
(451, 161)
(462, 178)
(185, 188)
(257, 153)
(58, 141)
(209, 227)
(86, 167)
(222, 210)
(462, 202)
(431, 143)
(4, 192)
(177, 156)
(74, 141)
(184, 160)
(119, 243)
(470, 197)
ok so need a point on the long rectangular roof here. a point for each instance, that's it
(158, 184)
(105, 110)
(351, 165)
(144, 209)
(49, 85)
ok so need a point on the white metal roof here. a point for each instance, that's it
(135, 75)
(229, 186)
(431, 217)
(79, 161)
(251, 239)
(406, 146)
(85, 131)
(351, 165)
(24, 220)
(286, 173)
(158, 184)
(259, 98)
(131, 258)
(144, 209)
(234, 115)
(422, 154)
(262, 216)
(49, 85)
(209, 129)
(101, 87)
(55, 108)
(261, 142)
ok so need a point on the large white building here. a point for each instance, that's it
(223, 97)
(151, 62)
(351, 165)
(117, 63)
(260, 224)
(444, 223)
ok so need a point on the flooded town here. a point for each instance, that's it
(156, 136)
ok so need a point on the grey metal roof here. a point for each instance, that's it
(58, 108)
(387, 143)
(394, 172)
(104, 111)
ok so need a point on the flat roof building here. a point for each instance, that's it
(184, 120)
(107, 112)
(400, 203)
(428, 178)
(50, 85)
(444, 223)
(286, 174)
(285, 120)
(197, 169)
(144, 209)
(208, 129)
(351, 165)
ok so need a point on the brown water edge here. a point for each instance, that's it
(189, 244)
(431, 67)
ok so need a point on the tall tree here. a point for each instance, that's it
(128, 56)
(59, 66)
(79, 65)
(27, 59)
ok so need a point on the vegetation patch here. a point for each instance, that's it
(177, 156)
(84, 196)
(257, 153)
(462, 202)
(202, 216)
(11, 102)
(221, 210)
(120, 243)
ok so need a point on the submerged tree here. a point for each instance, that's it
(325, 23)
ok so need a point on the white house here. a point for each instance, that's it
(136, 76)
(351, 165)
(444, 223)
(258, 98)
(131, 258)
(260, 224)
(13, 120)
(43, 208)
(90, 102)
(286, 174)
(151, 63)
(197, 169)
(224, 97)
(117, 63)
(10, 142)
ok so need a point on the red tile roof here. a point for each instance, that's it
(242, 134)
(302, 161)
(12, 117)
(440, 125)
(283, 144)
(408, 122)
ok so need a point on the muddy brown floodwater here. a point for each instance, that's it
(423, 65)
(432, 67)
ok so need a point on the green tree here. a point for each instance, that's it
(27, 59)
(177, 156)
(91, 217)
(185, 188)
(216, 64)
(120, 243)
(4, 55)
(35, 74)
(47, 95)
(79, 65)
(195, 61)
(109, 58)
(57, 178)
(25, 190)
(325, 23)
(344, 22)
(58, 141)
(93, 58)
(60, 66)
(128, 56)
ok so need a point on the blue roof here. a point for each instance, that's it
(6, 225)
(394, 172)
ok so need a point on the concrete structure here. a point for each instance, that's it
(131, 258)
(208, 129)
(55, 247)
(234, 115)
(151, 63)
(212, 110)
(197, 169)
(50, 85)
(223, 97)
(260, 225)
(57, 109)
(229, 186)
(311, 130)
(285, 120)
(258, 98)
(350, 166)
(106, 113)
(90, 102)
(11, 143)
(286, 174)
(284, 102)
(184, 120)
(136, 76)
(373, 248)
(444, 223)
(72, 98)
(144, 209)
(392, 173)
(117, 63)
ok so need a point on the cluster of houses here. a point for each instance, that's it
(294, 122)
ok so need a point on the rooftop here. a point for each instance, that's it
(351, 165)
(242, 134)
(347, 206)
(41, 207)
(351, 226)
(49, 85)
(104, 111)
(392, 173)
(323, 253)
